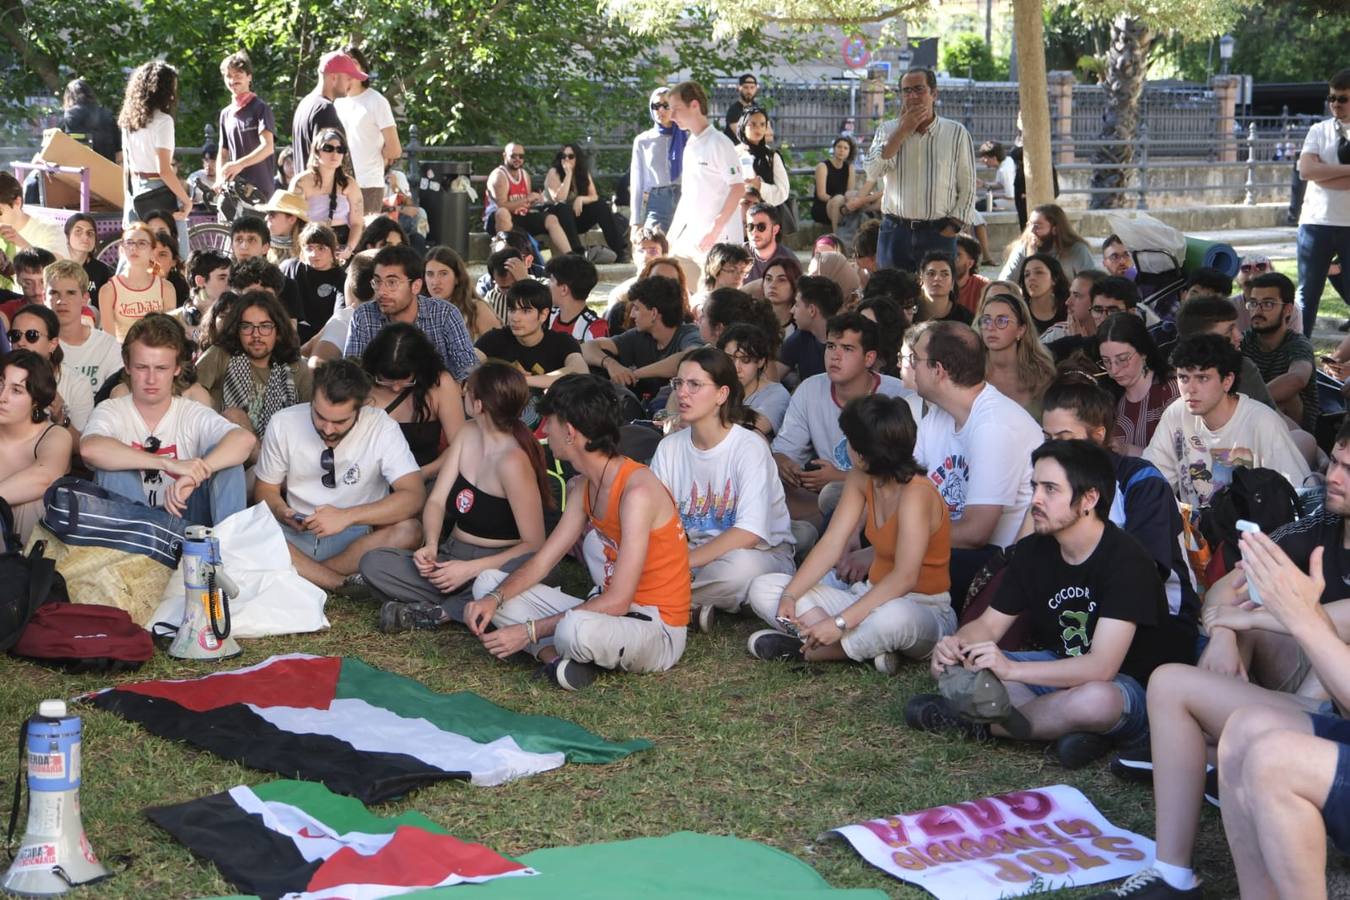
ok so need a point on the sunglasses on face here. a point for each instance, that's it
(517, 156)
(756, 226)
(32, 335)
(329, 474)
(569, 156)
(332, 148)
(1338, 98)
(1252, 267)
(662, 105)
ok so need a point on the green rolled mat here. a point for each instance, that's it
(1210, 254)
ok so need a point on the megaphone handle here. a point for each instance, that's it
(226, 583)
(212, 599)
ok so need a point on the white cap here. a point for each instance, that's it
(52, 709)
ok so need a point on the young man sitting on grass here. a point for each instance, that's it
(1092, 597)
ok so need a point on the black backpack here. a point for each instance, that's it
(26, 581)
(1263, 496)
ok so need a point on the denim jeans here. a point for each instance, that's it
(902, 247)
(223, 496)
(1318, 246)
(660, 207)
(1133, 723)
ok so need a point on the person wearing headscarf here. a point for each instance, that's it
(654, 172)
(840, 269)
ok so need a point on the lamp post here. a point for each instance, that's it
(1226, 45)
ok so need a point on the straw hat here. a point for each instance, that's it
(288, 202)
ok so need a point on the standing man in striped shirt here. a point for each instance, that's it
(927, 168)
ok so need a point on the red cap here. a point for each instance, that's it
(339, 63)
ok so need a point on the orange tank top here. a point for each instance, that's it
(664, 582)
(934, 574)
(130, 304)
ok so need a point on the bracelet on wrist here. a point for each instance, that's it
(529, 629)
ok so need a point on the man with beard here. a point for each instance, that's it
(1091, 596)
(510, 204)
(350, 482)
(1284, 358)
(255, 369)
(748, 89)
(316, 110)
(763, 231)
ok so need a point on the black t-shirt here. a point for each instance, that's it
(1300, 537)
(549, 355)
(1064, 602)
(314, 111)
(803, 353)
(95, 127)
(99, 275)
(958, 313)
(320, 293)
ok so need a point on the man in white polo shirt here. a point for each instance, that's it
(351, 483)
(1324, 223)
(711, 183)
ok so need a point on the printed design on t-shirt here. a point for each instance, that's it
(464, 501)
(841, 460)
(710, 511)
(1206, 469)
(611, 550)
(137, 308)
(949, 476)
(154, 481)
(352, 475)
(1074, 623)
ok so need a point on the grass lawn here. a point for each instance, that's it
(760, 751)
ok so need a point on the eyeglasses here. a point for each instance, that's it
(32, 335)
(999, 322)
(662, 105)
(756, 226)
(1119, 256)
(329, 473)
(1253, 267)
(151, 445)
(1117, 362)
(568, 155)
(1263, 305)
(692, 385)
(142, 244)
(262, 328)
(1102, 311)
(332, 148)
(1338, 98)
(376, 283)
(914, 90)
(913, 359)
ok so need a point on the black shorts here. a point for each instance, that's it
(1336, 809)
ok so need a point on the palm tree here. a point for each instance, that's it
(1126, 66)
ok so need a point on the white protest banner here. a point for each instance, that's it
(1007, 845)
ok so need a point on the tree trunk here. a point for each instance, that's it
(1123, 82)
(11, 13)
(1029, 28)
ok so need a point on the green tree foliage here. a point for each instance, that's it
(463, 71)
(967, 55)
(1311, 46)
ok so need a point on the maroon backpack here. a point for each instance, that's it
(81, 637)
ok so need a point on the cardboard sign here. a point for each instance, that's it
(1007, 845)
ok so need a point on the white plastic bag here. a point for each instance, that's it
(273, 598)
(1140, 231)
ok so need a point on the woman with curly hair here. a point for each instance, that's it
(330, 190)
(1049, 231)
(1019, 365)
(569, 181)
(665, 266)
(147, 127)
(447, 278)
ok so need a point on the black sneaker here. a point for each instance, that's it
(1078, 748)
(1134, 764)
(1212, 787)
(1148, 884)
(355, 587)
(774, 646)
(571, 675)
(397, 616)
(931, 712)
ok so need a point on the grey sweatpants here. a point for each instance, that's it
(393, 574)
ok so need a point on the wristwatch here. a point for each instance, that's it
(840, 623)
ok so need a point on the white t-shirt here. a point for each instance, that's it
(76, 394)
(140, 148)
(44, 233)
(811, 427)
(1197, 461)
(187, 431)
(96, 359)
(336, 328)
(770, 401)
(710, 168)
(733, 485)
(1006, 176)
(372, 456)
(364, 118)
(987, 462)
(1321, 206)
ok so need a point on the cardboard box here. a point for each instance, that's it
(63, 191)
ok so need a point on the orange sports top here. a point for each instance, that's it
(664, 582)
(934, 574)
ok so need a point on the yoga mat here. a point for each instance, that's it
(1210, 254)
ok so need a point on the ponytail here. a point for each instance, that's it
(535, 453)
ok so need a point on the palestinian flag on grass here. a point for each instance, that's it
(363, 732)
(297, 839)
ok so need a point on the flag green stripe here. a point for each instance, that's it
(475, 718)
(342, 814)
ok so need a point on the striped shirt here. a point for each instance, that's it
(931, 177)
(1274, 363)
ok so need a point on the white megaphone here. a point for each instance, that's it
(55, 855)
(205, 632)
